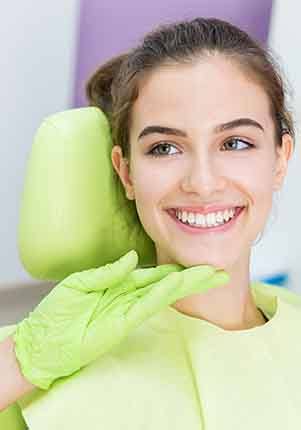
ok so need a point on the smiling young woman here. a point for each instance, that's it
(202, 139)
(200, 127)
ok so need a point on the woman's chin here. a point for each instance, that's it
(217, 263)
(191, 257)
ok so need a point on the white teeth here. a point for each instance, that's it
(219, 217)
(184, 216)
(191, 218)
(226, 215)
(200, 220)
(209, 220)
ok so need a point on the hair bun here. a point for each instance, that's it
(98, 87)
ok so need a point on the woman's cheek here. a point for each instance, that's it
(153, 179)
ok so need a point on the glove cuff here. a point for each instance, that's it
(42, 360)
(29, 370)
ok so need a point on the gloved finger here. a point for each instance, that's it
(193, 285)
(137, 279)
(201, 272)
(140, 277)
(151, 299)
(174, 286)
(108, 276)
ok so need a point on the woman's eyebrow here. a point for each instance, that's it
(239, 122)
(161, 130)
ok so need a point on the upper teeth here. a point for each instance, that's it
(209, 220)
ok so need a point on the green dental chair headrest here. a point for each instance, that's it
(74, 214)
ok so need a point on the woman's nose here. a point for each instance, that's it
(203, 176)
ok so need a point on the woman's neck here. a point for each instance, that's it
(248, 317)
(231, 306)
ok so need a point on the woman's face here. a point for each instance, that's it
(212, 160)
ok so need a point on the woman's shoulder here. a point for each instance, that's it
(284, 293)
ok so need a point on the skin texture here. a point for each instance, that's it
(204, 168)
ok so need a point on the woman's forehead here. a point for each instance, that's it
(211, 91)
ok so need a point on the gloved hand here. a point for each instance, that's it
(90, 311)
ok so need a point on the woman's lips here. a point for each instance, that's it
(201, 230)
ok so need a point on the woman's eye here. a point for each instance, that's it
(238, 142)
(155, 150)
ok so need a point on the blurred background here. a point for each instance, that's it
(48, 51)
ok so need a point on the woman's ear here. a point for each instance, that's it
(284, 154)
(122, 167)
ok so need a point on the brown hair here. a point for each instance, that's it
(115, 85)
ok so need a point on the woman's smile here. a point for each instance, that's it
(201, 229)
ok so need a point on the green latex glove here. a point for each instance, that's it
(91, 311)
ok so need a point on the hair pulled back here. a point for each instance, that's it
(114, 86)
